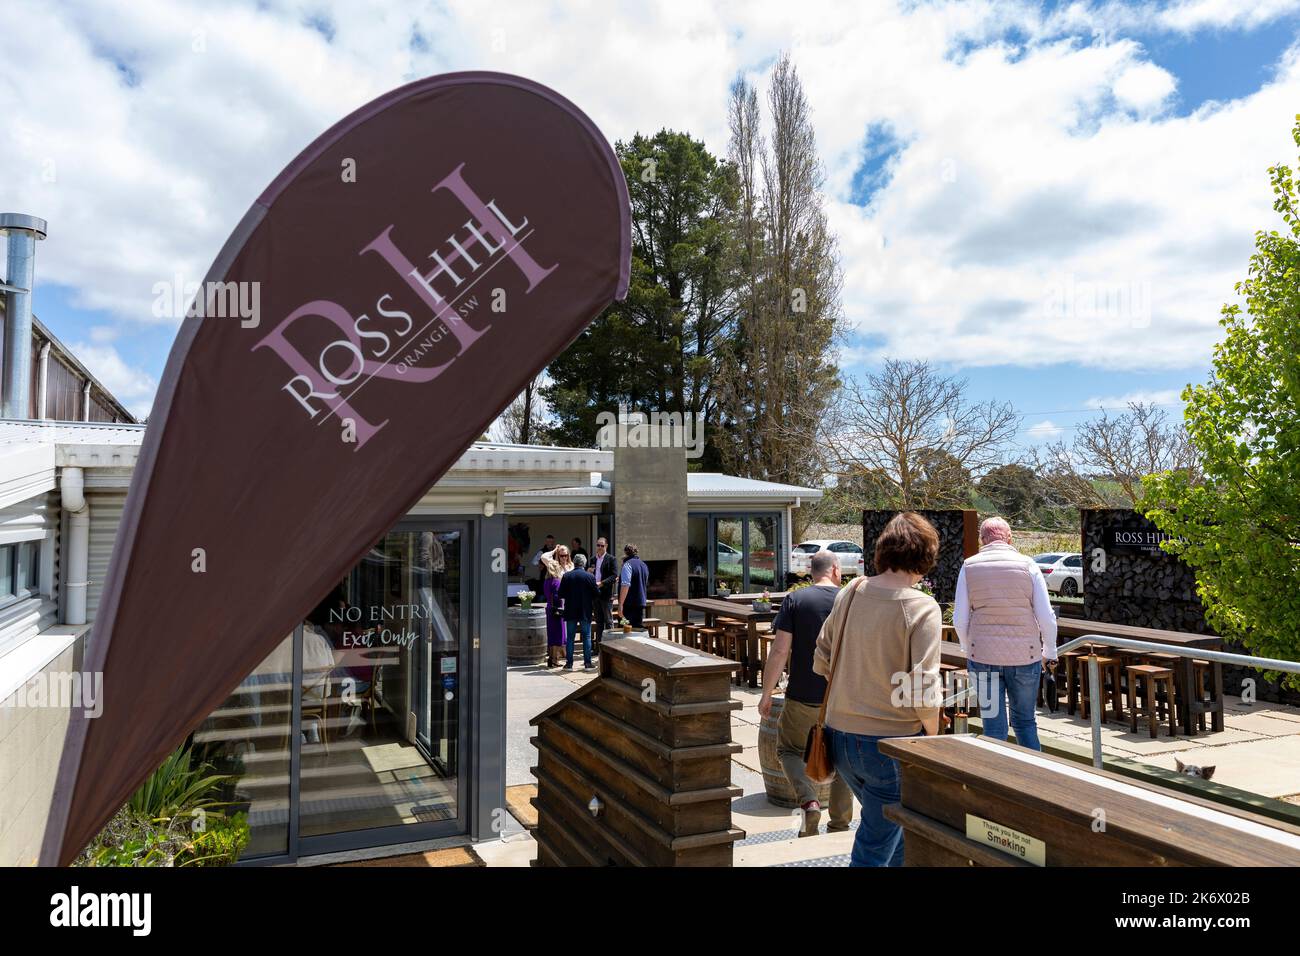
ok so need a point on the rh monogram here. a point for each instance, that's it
(489, 235)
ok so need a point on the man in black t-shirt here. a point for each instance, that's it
(796, 629)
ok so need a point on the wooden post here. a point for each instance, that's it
(634, 768)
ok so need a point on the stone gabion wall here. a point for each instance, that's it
(949, 524)
(1140, 588)
(1154, 590)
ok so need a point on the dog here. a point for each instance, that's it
(1205, 773)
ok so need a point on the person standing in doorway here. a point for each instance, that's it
(1004, 621)
(557, 565)
(576, 548)
(578, 595)
(605, 570)
(633, 583)
(796, 628)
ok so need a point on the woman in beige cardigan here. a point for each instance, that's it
(883, 639)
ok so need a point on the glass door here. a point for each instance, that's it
(383, 665)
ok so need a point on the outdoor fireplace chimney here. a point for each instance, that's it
(22, 232)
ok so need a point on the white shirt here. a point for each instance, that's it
(961, 612)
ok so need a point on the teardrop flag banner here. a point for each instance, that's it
(379, 305)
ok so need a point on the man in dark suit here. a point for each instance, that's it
(605, 569)
(578, 596)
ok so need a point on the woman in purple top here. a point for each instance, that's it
(557, 564)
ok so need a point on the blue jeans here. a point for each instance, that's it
(1019, 683)
(585, 628)
(873, 778)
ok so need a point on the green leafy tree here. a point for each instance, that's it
(1015, 491)
(655, 351)
(1239, 526)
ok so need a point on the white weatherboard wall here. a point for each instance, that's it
(105, 519)
(34, 519)
(31, 642)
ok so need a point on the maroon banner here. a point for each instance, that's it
(378, 306)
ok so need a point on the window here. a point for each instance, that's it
(808, 548)
(1074, 561)
(7, 562)
(1048, 558)
(20, 571)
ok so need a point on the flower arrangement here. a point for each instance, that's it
(764, 602)
(526, 599)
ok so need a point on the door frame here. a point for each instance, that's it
(301, 846)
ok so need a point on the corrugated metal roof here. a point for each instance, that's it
(712, 484)
(17, 431)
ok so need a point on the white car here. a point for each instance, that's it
(848, 553)
(1063, 573)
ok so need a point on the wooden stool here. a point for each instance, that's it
(652, 625)
(677, 631)
(765, 642)
(690, 634)
(1075, 670)
(1151, 677)
(1201, 671)
(735, 647)
(709, 638)
(1112, 667)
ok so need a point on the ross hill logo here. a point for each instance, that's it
(368, 349)
(74, 909)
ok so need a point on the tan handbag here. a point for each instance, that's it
(818, 764)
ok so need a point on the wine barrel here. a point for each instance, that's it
(779, 791)
(526, 635)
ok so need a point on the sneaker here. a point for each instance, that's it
(812, 818)
(588, 669)
(839, 827)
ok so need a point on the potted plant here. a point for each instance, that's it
(764, 601)
(724, 591)
(526, 599)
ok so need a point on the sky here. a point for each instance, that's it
(1051, 200)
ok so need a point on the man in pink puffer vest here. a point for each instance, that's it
(1004, 620)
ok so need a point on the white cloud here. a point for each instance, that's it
(130, 386)
(1046, 430)
(1166, 398)
(143, 131)
(1144, 87)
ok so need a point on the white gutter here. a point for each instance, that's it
(43, 377)
(77, 558)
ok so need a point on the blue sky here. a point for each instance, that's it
(992, 168)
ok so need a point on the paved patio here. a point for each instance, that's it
(1258, 751)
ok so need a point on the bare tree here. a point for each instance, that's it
(1105, 464)
(913, 427)
(521, 423)
(776, 380)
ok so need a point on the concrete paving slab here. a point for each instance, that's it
(748, 758)
(793, 851)
(515, 850)
(746, 735)
(1263, 723)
